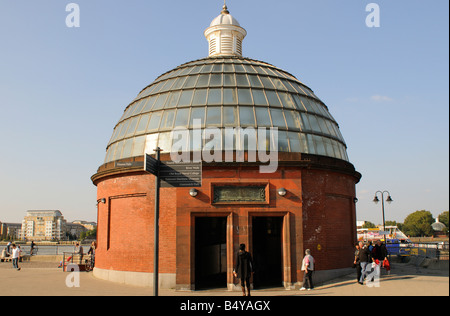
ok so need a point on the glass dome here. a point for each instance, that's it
(227, 91)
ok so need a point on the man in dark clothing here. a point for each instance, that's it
(380, 251)
(244, 268)
(356, 263)
(364, 259)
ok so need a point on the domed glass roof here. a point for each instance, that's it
(227, 91)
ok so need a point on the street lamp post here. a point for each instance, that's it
(389, 200)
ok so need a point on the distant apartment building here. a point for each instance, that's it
(43, 225)
(10, 230)
(85, 224)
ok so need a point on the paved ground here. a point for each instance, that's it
(44, 279)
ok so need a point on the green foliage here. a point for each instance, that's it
(369, 225)
(443, 218)
(418, 224)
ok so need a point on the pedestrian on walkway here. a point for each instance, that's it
(356, 263)
(244, 268)
(380, 251)
(92, 253)
(15, 256)
(308, 266)
(364, 259)
(32, 247)
(78, 250)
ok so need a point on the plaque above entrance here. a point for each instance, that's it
(252, 193)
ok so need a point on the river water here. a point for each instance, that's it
(51, 249)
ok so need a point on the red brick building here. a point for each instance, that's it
(308, 202)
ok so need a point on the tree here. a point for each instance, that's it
(369, 225)
(443, 218)
(418, 224)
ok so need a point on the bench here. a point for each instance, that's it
(9, 258)
(5, 259)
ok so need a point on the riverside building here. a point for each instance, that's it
(43, 225)
(306, 202)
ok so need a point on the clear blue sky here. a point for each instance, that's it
(63, 89)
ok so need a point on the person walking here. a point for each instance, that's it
(308, 266)
(356, 263)
(15, 256)
(244, 268)
(364, 259)
(78, 250)
(92, 253)
(32, 247)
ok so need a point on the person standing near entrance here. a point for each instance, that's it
(308, 267)
(244, 268)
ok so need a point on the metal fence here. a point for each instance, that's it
(436, 250)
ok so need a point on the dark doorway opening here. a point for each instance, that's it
(267, 251)
(210, 252)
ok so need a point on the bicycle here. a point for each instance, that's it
(34, 251)
(89, 263)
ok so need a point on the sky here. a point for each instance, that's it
(63, 89)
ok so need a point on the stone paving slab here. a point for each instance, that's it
(45, 279)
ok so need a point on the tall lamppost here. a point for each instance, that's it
(389, 200)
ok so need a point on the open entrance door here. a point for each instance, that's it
(267, 251)
(210, 252)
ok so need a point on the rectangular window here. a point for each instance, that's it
(190, 82)
(185, 98)
(173, 100)
(215, 96)
(229, 80)
(154, 121)
(245, 96)
(246, 116)
(199, 97)
(216, 80)
(278, 118)
(197, 114)
(214, 116)
(229, 116)
(132, 126)
(203, 81)
(159, 104)
(242, 80)
(182, 118)
(229, 96)
(262, 117)
(167, 119)
(273, 98)
(259, 97)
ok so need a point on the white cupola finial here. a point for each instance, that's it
(225, 35)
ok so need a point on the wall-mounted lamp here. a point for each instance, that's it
(282, 192)
(193, 192)
(103, 200)
(355, 200)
